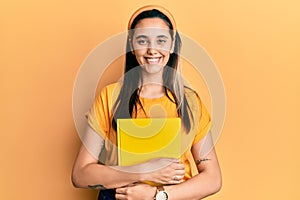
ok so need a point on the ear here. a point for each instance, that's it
(172, 47)
(131, 46)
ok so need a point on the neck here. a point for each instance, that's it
(152, 85)
(152, 90)
(149, 78)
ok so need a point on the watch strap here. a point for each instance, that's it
(160, 189)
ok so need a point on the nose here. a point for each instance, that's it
(152, 49)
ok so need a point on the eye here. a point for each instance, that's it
(142, 42)
(161, 41)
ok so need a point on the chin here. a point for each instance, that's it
(152, 69)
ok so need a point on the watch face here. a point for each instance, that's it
(162, 195)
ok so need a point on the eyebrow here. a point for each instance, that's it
(141, 36)
(162, 36)
(144, 36)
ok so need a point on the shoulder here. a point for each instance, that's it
(189, 91)
(110, 90)
(108, 94)
(194, 101)
(191, 95)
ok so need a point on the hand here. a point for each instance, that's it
(163, 171)
(137, 191)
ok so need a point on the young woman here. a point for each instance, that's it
(151, 87)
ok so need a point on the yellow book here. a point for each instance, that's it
(142, 139)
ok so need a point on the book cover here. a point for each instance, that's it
(142, 139)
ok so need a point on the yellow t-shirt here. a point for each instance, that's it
(100, 117)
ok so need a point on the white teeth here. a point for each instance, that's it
(153, 60)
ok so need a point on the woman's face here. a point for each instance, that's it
(152, 44)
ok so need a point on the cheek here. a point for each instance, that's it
(166, 60)
(166, 55)
(165, 51)
(139, 56)
(140, 52)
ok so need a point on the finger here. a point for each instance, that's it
(176, 179)
(132, 184)
(174, 182)
(171, 159)
(176, 160)
(180, 177)
(120, 196)
(180, 172)
(178, 166)
(122, 190)
(167, 161)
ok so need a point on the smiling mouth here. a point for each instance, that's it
(153, 60)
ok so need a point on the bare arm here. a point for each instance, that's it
(88, 173)
(206, 183)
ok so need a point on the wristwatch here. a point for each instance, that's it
(161, 194)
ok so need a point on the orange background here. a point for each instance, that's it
(255, 45)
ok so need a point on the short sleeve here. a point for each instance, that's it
(98, 115)
(200, 116)
(204, 123)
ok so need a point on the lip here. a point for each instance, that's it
(153, 60)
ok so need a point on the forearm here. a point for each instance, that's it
(200, 186)
(207, 182)
(87, 172)
(102, 176)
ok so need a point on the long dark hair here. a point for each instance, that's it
(128, 98)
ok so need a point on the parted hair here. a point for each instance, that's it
(128, 98)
